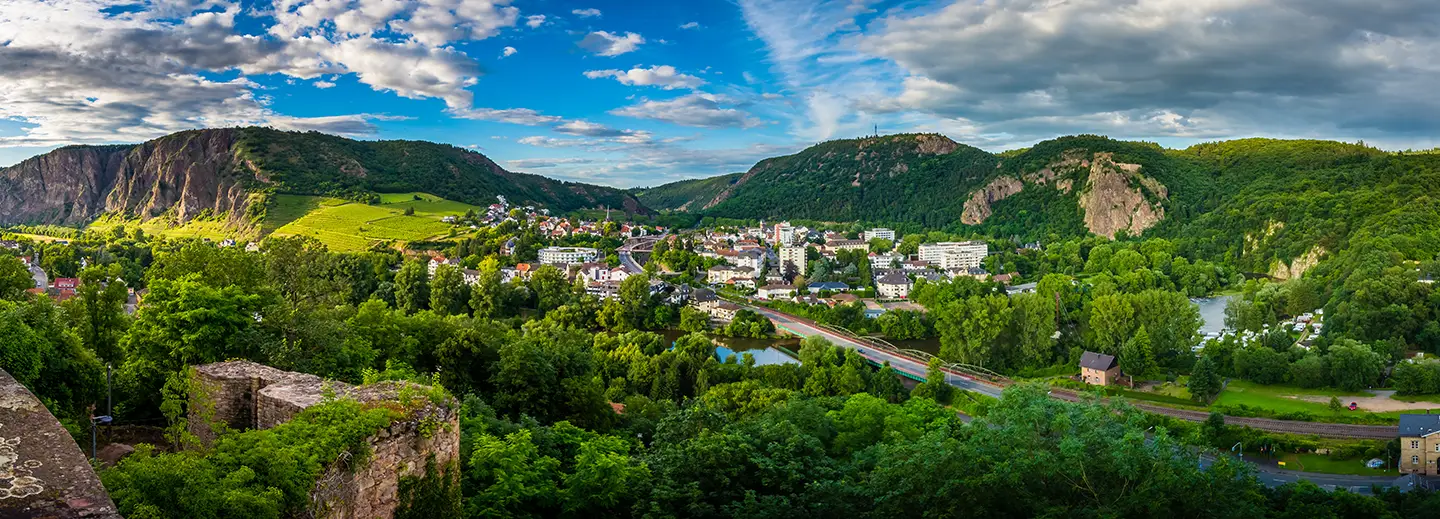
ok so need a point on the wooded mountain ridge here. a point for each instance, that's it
(231, 171)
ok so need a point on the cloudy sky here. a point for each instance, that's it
(632, 92)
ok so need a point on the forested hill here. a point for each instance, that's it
(1267, 205)
(908, 177)
(229, 170)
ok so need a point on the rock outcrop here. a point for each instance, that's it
(1112, 203)
(977, 208)
(246, 395)
(1296, 267)
(183, 174)
(43, 473)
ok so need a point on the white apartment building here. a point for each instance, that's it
(885, 261)
(567, 255)
(879, 232)
(792, 259)
(893, 286)
(954, 254)
(784, 234)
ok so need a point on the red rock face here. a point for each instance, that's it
(188, 172)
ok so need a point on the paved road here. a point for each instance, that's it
(1269, 475)
(41, 280)
(806, 328)
(627, 260)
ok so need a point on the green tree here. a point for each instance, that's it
(412, 287)
(550, 287)
(182, 323)
(694, 320)
(1136, 357)
(1035, 327)
(1112, 321)
(98, 310)
(969, 329)
(935, 387)
(1310, 371)
(14, 278)
(449, 294)
(1204, 380)
(1353, 366)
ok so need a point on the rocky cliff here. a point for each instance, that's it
(188, 172)
(220, 171)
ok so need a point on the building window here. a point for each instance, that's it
(1414, 444)
(1414, 460)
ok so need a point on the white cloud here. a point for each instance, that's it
(697, 109)
(690, 25)
(604, 43)
(507, 52)
(663, 76)
(72, 73)
(534, 21)
(546, 163)
(586, 13)
(524, 116)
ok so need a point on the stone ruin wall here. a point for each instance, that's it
(43, 473)
(246, 395)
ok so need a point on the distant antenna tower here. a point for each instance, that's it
(877, 130)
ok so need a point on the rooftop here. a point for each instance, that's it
(1419, 424)
(1098, 361)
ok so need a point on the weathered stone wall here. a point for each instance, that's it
(43, 473)
(246, 395)
(232, 393)
(371, 489)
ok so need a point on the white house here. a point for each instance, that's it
(437, 261)
(775, 292)
(948, 255)
(567, 255)
(884, 261)
(893, 286)
(879, 232)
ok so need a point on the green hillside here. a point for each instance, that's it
(686, 195)
(351, 226)
(313, 163)
(896, 178)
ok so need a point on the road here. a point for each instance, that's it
(1269, 475)
(806, 328)
(41, 280)
(628, 261)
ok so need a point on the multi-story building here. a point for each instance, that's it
(847, 245)
(792, 260)
(784, 234)
(893, 286)
(885, 261)
(954, 254)
(879, 232)
(1420, 444)
(776, 292)
(754, 259)
(567, 255)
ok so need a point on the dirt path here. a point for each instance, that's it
(1378, 402)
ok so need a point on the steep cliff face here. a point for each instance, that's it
(1113, 202)
(977, 208)
(188, 172)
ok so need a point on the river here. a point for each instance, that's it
(765, 351)
(1212, 313)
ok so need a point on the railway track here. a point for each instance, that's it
(1322, 429)
(1326, 430)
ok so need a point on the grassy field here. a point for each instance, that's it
(1310, 462)
(1434, 399)
(1283, 399)
(351, 226)
(214, 230)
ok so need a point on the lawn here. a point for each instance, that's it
(1310, 462)
(351, 226)
(1434, 399)
(1280, 398)
(213, 229)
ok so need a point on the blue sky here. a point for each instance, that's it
(633, 93)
